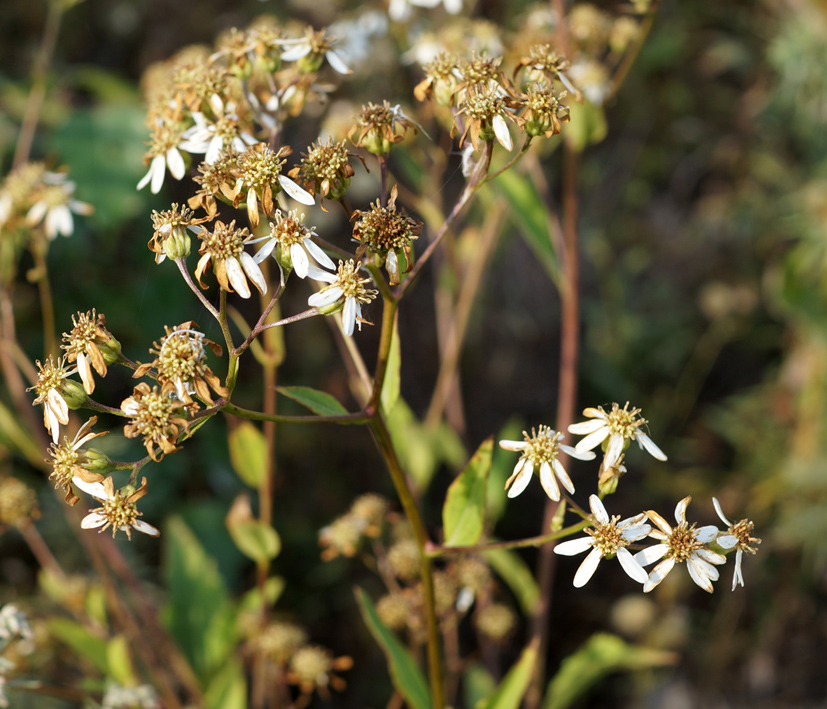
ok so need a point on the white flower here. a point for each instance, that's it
(313, 48)
(608, 538)
(400, 10)
(55, 208)
(738, 536)
(51, 380)
(118, 510)
(154, 177)
(681, 543)
(540, 450)
(209, 137)
(619, 426)
(347, 291)
(292, 237)
(224, 248)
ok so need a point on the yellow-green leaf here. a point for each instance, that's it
(248, 453)
(463, 514)
(390, 387)
(587, 126)
(514, 685)
(120, 661)
(319, 402)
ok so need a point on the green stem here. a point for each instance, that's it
(437, 551)
(385, 341)
(182, 267)
(343, 419)
(383, 440)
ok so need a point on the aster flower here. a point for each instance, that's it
(154, 416)
(91, 346)
(381, 127)
(400, 10)
(118, 510)
(70, 461)
(681, 544)
(606, 539)
(163, 153)
(346, 292)
(540, 450)
(311, 50)
(739, 537)
(618, 425)
(223, 247)
(325, 169)
(484, 110)
(211, 136)
(53, 389)
(296, 248)
(54, 208)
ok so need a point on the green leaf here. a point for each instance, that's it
(515, 684)
(255, 539)
(227, 689)
(390, 387)
(514, 571)
(319, 402)
(120, 661)
(529, 214)
(463, 514)
(405, 673)
(85, 643)
(587, 126)
(477, 684)
(601, 655)
(252, 601)
(248, 453)
(199, 614)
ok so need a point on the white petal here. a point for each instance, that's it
(586, 427)
(59, 221)
(158, 168)
(514, 446)
(711, 556)
(85, 372)
(573, 547)
(635, 532)
(598, 509)
(299, 258)
(645, 442)
(236, 277)
(698, 576)
(521, 481)
(349, 316)
(145, 527)
(297, 52)
(592, 413)
(253, 271)
(614, 450)
(217, 105)
(587, 568)
(703, 567)
(548, 482)
(680, 509)
(92, 520)
(177, 167)
(316, 252)
(214, 149)
(659, 522)
(336, 62)
(265, 251)
(717, 506)
(36, 213)
(737, 576)
(658, 574)
(563, 476)
(318, 274)
(706, 534)
(574, 453)
(454, 7)
(631, 566)
(727, 541)
(649, 555)
(593, 440)
(325, 297)
(58, 405)
(501, 131)
(94, 489)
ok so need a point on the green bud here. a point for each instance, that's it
(332, 308)
(608, 487)
(310, 62)
(536, 128)
(375, 143)
(73, 394)
(487, 133)
(96, 461)
(268, 64)
(177, 245)
(338, 189)
(284, 259)
(444, 92)
(243, 71)
(111, 350)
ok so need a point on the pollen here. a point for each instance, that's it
(225, 241)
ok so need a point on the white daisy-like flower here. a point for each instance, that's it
(209, 137)
(55, 207)
(154, 177)
(346, 292)
(400, 10)
(607, 539)
(540, 450)
(619, 426)
(679, 544)
(52, 379)
(294, 239)
(223, 247)
(311, 51)
(118, 510)
(739, 537)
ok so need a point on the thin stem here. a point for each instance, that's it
(383, 179)
(291, 319)
(566, 400)
(385, 341)
(93, 405)
(31, 115)
(632, 53)
(436, 551)
(511, 162)
(182, 266)
(343, 419)
(383, 440)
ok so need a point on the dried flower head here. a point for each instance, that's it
(481, 72)
(381, 127)
(18, 502)
(738, 536)
(386, 232)
(223, 247)
(496, 621)
(542, 113)
(154, 417)
(545, 66)
(181, 364)
(170, 236)
(57, 393)
(312, 667)
(440, 80)
(296, 249)
(217, 179)
(403, 558)
(370, 509)
(19, 187)
(394, 609)
(347, 293)
(540, 450)
(341, 537)
(70, 460)
(325, 169)
(91, 346)
(483, 111)
(279, 641)
(118, 510)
